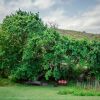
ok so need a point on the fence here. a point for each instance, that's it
(89, 84)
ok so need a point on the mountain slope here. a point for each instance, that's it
(79, 35)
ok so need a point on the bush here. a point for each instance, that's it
(65, 92)
(78, 92)
(29, 50)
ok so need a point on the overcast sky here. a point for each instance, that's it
(82, 15)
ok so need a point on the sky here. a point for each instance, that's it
(80, 15)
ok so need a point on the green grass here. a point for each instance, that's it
(13, 91)
(78, 91)
(20, 92)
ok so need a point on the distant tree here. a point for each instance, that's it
(53, 25)
(84, 32)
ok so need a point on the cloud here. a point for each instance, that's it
(43, 4)
(88, 21)
(10, 6)
(55, 11)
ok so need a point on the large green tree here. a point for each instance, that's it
(29, 50)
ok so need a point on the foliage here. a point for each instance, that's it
(6, 82)
(77, 91)
(29, 50)
(16, 28)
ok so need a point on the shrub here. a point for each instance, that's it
(65, 92)
(29, 50)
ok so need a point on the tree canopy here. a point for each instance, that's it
(29, 50)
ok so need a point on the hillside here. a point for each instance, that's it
(79, 35)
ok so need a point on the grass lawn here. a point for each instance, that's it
(23, 92)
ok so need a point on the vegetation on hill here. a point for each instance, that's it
(29, 50)
(79, 35)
